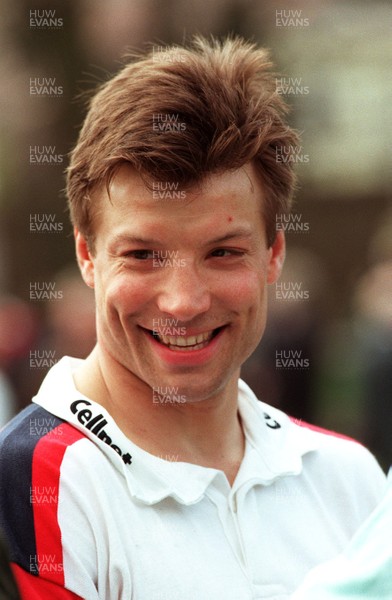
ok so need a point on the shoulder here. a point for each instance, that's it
(331, 461)
(343, 469)
(308, 448)
(32, 448)
(32, 435)
(334, 446)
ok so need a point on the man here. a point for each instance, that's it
(149, 471)
(363, 570)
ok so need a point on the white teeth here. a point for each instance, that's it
(183, 342)
(188, 348)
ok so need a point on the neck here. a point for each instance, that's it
(208, 433)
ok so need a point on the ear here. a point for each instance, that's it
(277, 253)
(84, 258)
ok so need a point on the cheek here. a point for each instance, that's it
(124, 294)
(249, 300)
(246, 290)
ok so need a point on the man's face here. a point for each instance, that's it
(180, 278)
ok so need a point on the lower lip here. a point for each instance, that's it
(188, 357)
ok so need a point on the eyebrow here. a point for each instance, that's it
(240, 232)
(137, 240)
(130, 239)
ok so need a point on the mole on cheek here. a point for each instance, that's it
(230, 219)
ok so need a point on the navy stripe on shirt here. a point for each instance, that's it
(18, 441)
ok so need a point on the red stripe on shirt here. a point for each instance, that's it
(32, 587)
(47, 458)
(301, 423)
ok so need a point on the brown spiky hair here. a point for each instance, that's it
(223, 96)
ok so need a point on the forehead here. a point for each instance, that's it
(232, 196)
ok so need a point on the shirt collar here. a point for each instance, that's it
(274, 445)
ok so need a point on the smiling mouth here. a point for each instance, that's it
(185, 343)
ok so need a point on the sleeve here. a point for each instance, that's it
(31, 456)
(40, 588)
(367, 481)
(351, 478)
(363, 570)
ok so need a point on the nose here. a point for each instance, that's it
(184, 294)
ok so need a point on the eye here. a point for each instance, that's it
(219, 252)
(139, 254)
(223, 252)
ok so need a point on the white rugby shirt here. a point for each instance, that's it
(93, 516)
(364, 570)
